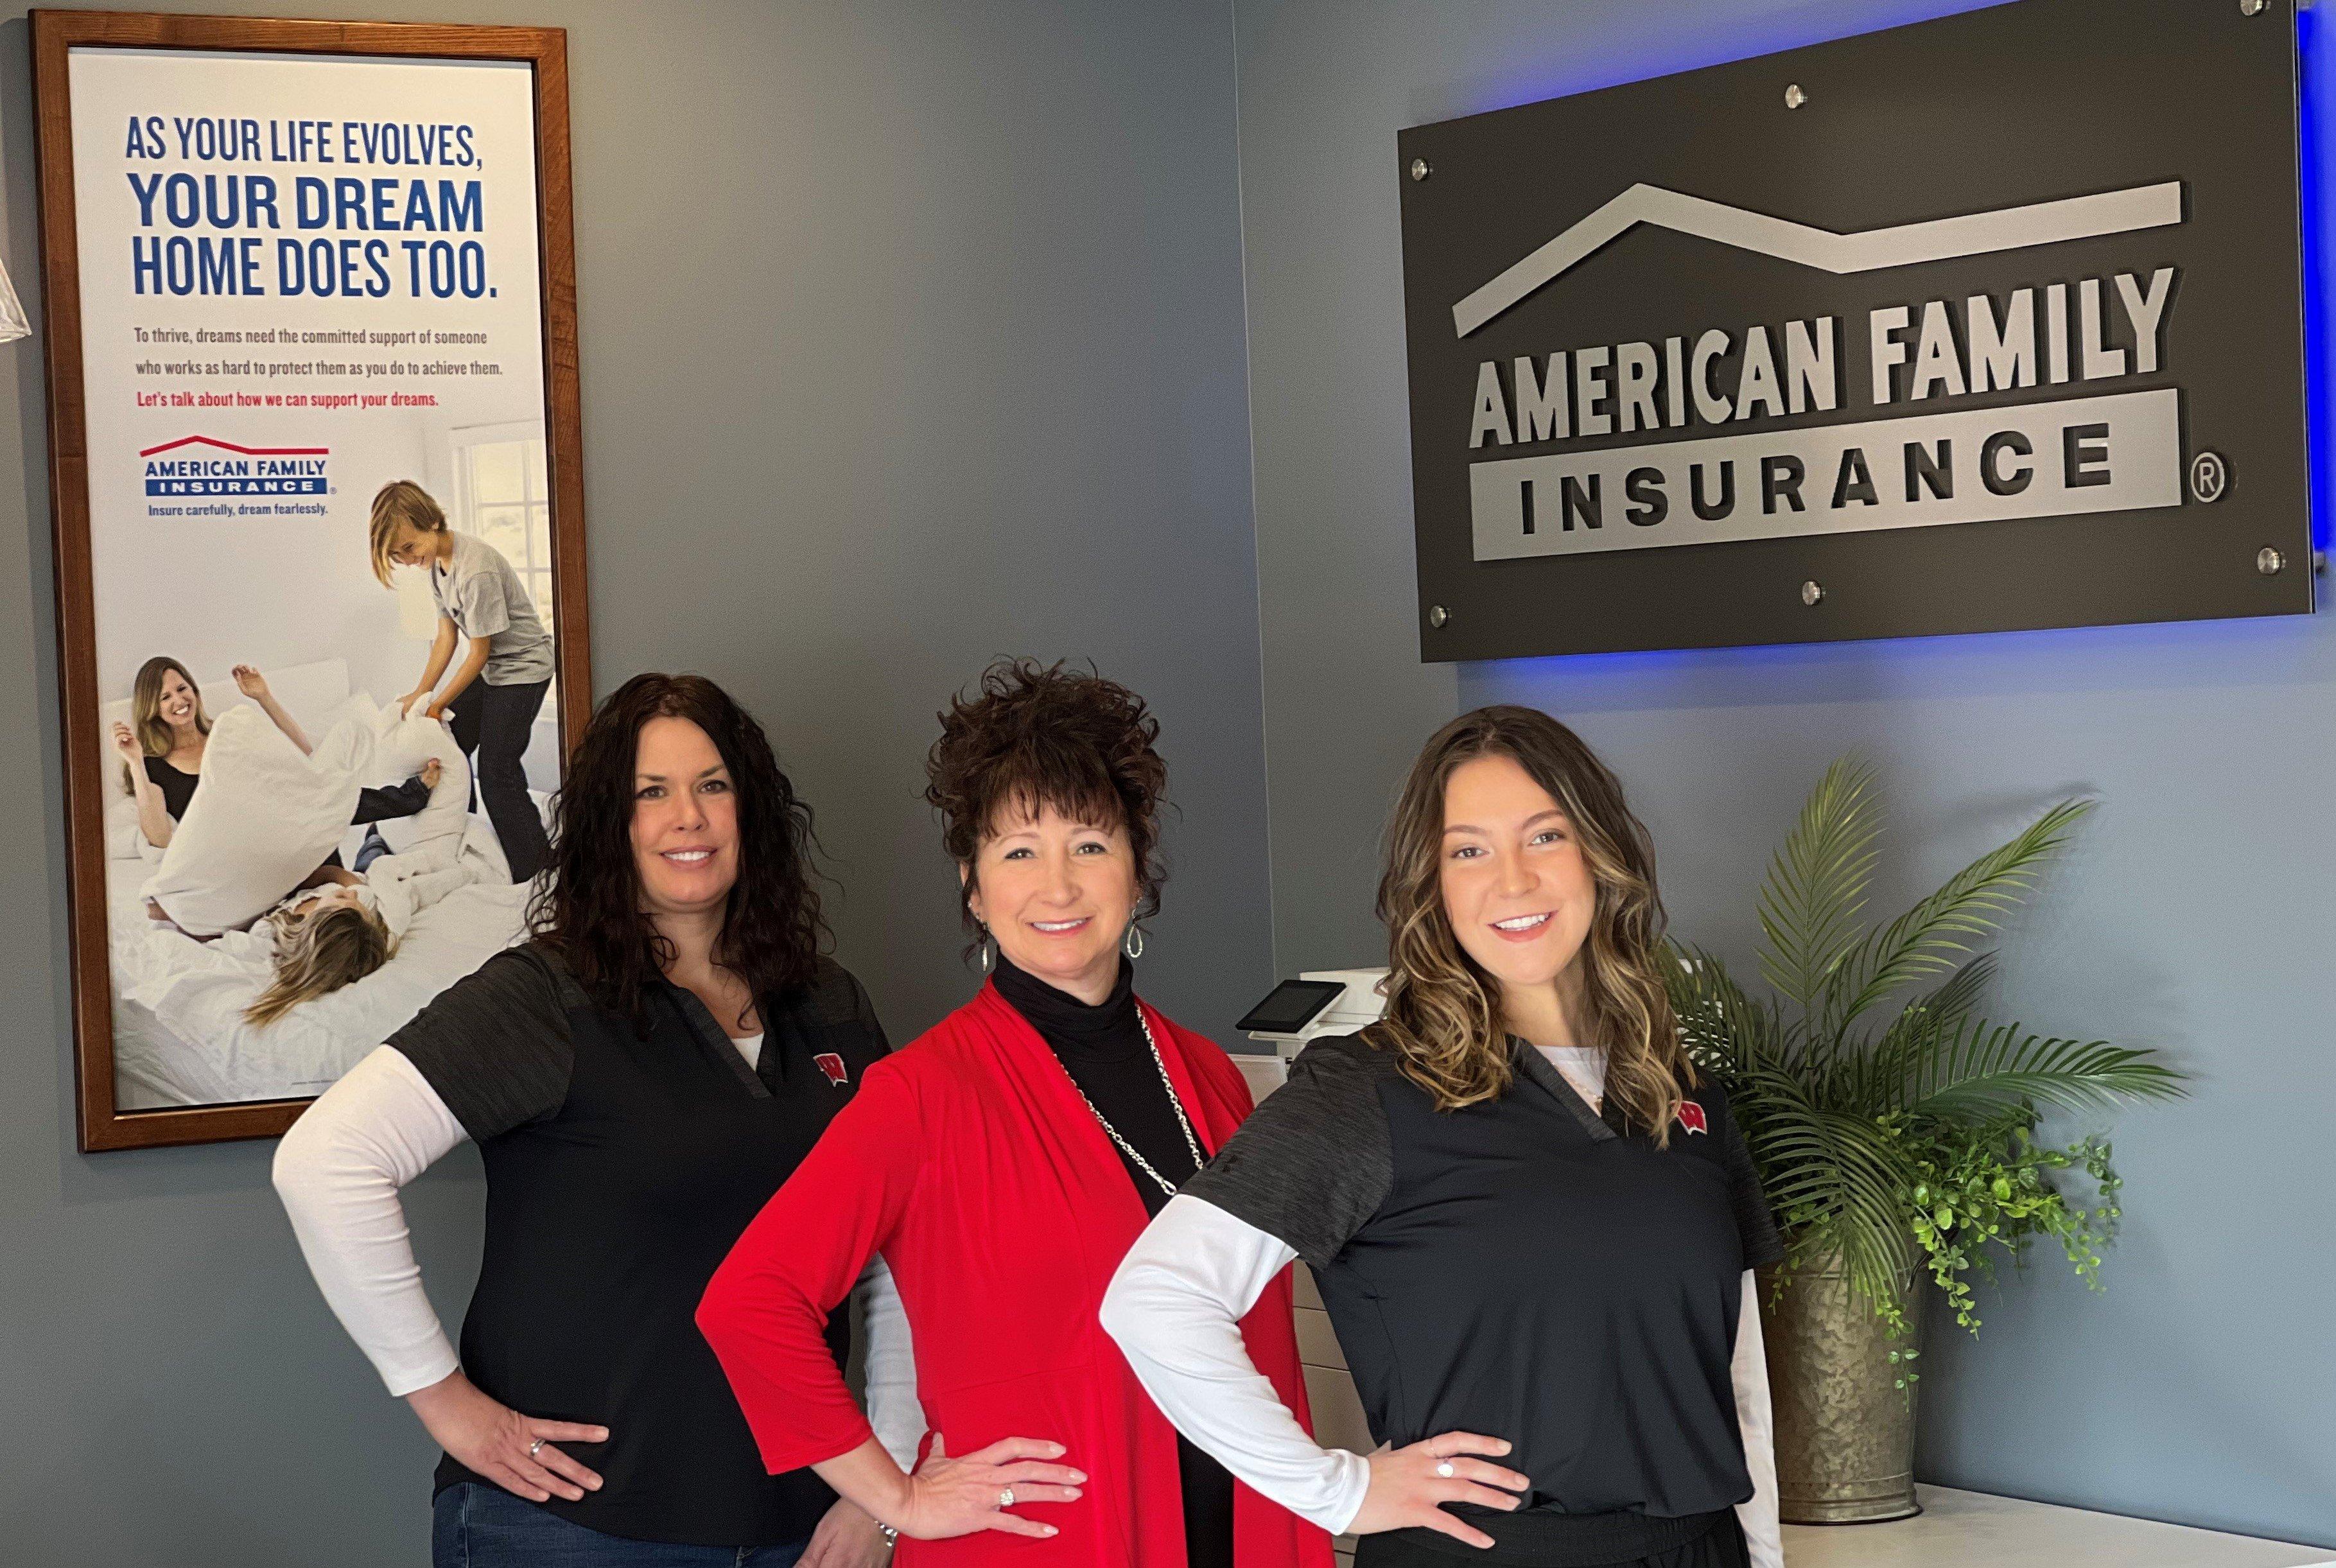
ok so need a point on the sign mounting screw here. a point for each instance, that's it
(2251, 7)
(1419, 169)
(1795, 97)
(2270, 561)
(1812, 593)
(1437, 615)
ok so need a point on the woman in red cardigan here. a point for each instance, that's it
(1002, 1165)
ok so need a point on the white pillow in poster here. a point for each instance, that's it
(434, 834)
(263, 819)
(124, 839)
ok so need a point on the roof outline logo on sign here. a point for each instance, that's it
(2020, 228)
(232, 446)
(230, 469)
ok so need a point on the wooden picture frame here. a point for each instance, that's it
(105, 1122)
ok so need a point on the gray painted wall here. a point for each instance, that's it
(2194, 915)
(911, 335)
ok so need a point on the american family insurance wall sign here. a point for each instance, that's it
(1989, 323)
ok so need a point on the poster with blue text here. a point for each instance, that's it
(322, 543)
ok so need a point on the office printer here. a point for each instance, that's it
(1318, 1002)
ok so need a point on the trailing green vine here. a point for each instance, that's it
(1894, 1128)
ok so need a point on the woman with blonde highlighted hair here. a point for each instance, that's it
(323, 941)
(1532, 1224)
(163, 744)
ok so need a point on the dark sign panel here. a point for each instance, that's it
(1989, 323)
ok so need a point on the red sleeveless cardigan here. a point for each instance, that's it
(969, 1160)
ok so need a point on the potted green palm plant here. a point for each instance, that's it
(1894, 1128)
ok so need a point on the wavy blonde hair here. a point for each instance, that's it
(1443, 1015)
(146, 721)
(318, 953)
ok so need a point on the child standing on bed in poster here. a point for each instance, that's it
(492, 697)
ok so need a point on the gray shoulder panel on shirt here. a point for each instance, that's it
(1314, 1161)
(495, 1045)
(837, 998)
(1753, 1220)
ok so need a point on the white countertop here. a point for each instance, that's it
(1961, 1529)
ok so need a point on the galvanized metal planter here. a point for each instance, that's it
(1845, 1431)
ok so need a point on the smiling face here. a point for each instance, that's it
(1057, 895)
(1515, 886)
(176, 704)
(411, 546)
(685, 827)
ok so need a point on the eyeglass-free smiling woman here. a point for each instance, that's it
(1532, 1224)
(638, 1078)
(1001, 1164)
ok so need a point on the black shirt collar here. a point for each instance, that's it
(1538, 1069)
(1068, 1023)
(715, 1041)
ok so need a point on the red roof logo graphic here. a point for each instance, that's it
(240, 450)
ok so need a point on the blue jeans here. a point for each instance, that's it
(480, 1526)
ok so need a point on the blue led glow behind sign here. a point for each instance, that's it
(1987, 323)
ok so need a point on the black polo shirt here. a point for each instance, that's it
(1522, 1268)
(621, 1168)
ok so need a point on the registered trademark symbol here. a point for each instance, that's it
(2210, 476)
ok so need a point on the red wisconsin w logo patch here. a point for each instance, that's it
(1691, 1118)
(831, 1064)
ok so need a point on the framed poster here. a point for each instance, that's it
(1987, 323)
(315, 454)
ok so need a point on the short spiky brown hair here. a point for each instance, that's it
(1034, 736)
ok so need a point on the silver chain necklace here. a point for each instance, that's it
(1127, 1148)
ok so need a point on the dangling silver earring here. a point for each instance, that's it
(988, 957)
(1131, 944)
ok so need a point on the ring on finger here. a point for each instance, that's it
(535, 1447)
(1444, 1469)
(1006, 1497)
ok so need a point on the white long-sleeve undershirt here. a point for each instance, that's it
(338, 1171)
(1175, 1308)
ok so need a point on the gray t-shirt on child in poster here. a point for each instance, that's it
(478, 590)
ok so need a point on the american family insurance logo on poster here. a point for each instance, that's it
(2080, 445)
(203, 476)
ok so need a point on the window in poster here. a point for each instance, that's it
(303, 265)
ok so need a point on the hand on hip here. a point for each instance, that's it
(950, 1497)
(1410, 1486)
(495, 1441)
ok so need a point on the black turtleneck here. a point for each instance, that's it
(1103, 1048)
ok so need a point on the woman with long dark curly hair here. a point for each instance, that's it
(639, 1078)
(1532, 1223)
(1001, 1164)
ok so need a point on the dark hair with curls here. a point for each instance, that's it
(1034, 735)
(588, 904)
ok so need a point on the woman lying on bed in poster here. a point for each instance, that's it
(336, 932)
(161, 750)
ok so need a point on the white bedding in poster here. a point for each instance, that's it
(301, 278)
